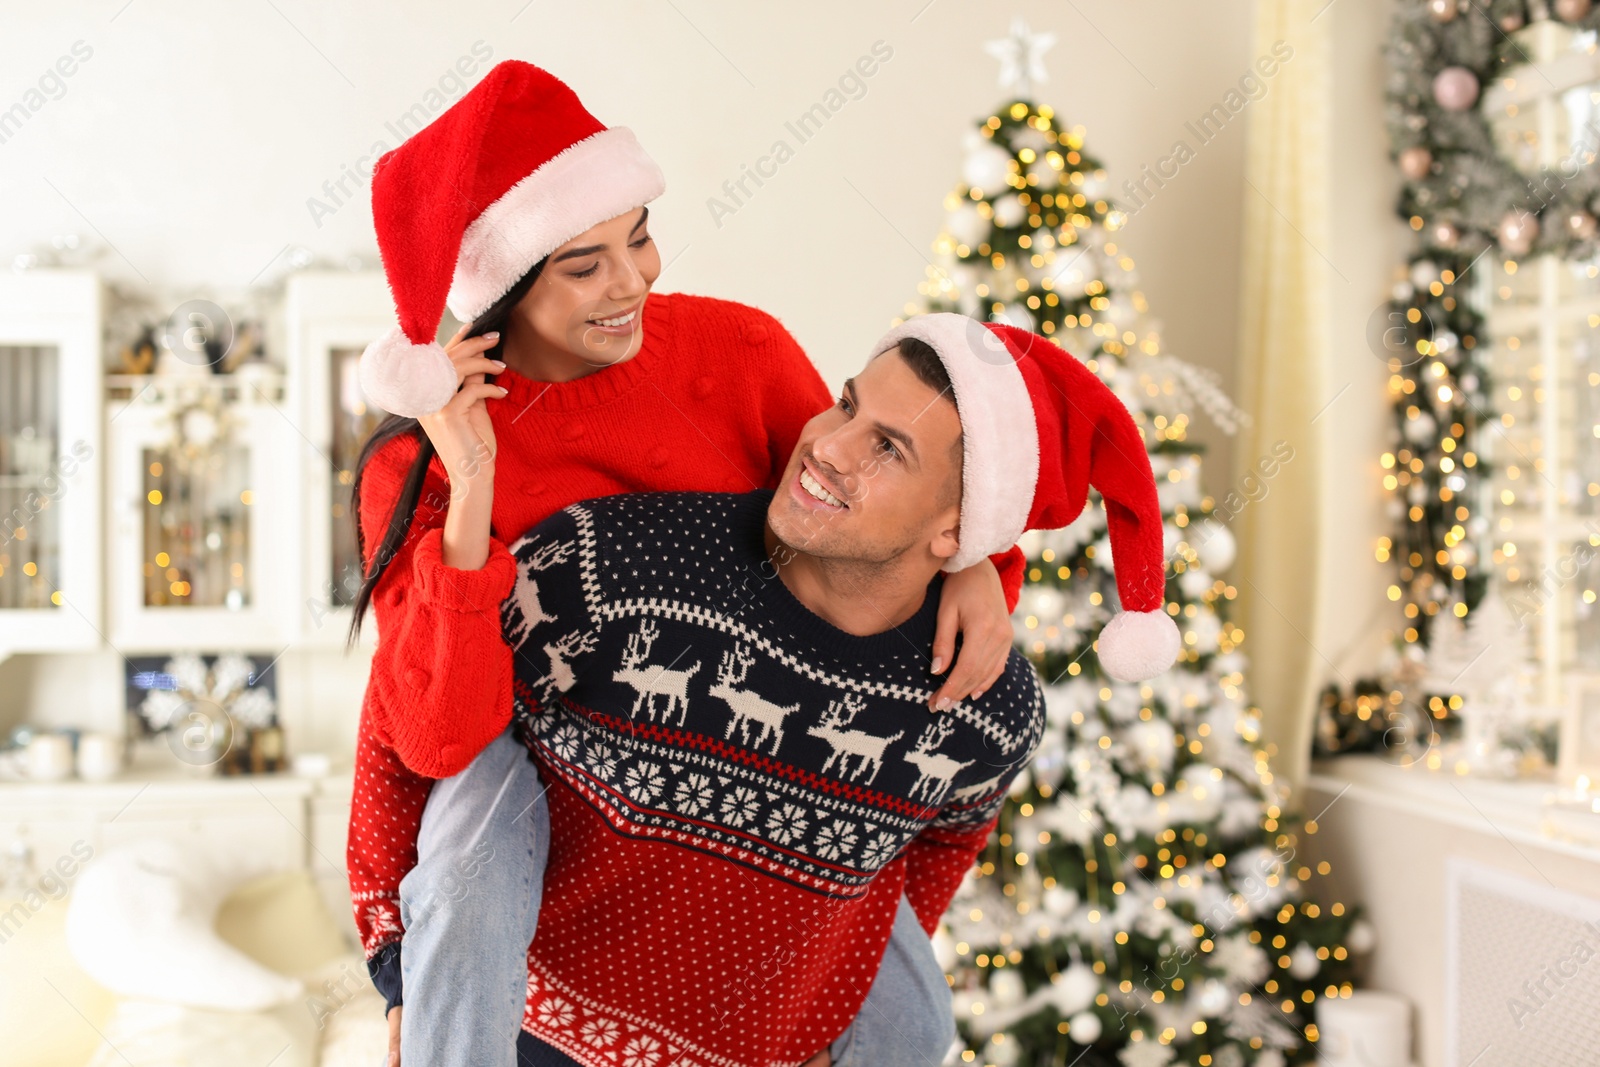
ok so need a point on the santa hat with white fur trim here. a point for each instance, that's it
(1038, 429)
(465, 207)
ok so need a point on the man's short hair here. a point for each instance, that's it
(931, 371)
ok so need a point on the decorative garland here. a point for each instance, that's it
(1465, 201)
(1460, 193)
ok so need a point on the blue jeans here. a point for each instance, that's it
(907, 1019)
(475, 892)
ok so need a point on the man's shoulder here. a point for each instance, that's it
(670, 516)
(628, 527)
(1014, 706)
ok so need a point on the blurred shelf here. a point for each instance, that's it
(1513, 810)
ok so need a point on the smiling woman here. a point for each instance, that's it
(582, 313)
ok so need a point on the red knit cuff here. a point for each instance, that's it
(454, 589)
(1012, 565)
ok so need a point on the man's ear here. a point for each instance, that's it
(947, 536)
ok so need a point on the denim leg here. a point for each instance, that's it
(470, 908)
(907, 1019)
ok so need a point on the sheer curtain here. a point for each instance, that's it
(1284, 334)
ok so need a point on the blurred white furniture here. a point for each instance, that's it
(50, 461)
(226, 497)
(331, 316)
(203, 504)
(258, 823)
(287, 834)
(1396, 838)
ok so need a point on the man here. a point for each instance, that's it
(726, 698)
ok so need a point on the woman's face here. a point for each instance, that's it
(585, 310)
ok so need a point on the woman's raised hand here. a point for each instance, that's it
(461, 431)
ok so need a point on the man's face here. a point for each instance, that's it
(876, 476)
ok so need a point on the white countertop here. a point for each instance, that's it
(1512, 809)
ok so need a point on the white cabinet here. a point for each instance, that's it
(255, 824)
(331, 317)
(50, 458)
(203, 507)
(198, 510)
(249, 825)
(330, 829)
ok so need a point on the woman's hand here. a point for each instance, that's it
(464, 438)
(461, 431)
(973, 605)
(393, 1059)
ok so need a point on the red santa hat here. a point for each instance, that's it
(464, 208)
(1038, 429)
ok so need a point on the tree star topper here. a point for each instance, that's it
(1021, 57)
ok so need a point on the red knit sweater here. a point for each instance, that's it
(713, 401)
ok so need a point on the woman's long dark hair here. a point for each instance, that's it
(397, 426)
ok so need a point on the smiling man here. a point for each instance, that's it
(726, 695)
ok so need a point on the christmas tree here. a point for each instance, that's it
(1142, 901)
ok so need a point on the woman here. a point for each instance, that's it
(570, 381)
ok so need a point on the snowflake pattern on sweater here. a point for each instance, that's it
(739, 792)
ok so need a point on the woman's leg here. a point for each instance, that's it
(470, 908)
(907, 1019)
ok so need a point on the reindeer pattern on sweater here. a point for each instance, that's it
(666, 674)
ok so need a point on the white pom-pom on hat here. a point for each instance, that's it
(1136, 645)
(405, 378)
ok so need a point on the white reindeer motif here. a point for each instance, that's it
(561, 654)
(933, 768)
(847, 743)
(971, 792)
(525, 593)
(748, 706)
(652, 681)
